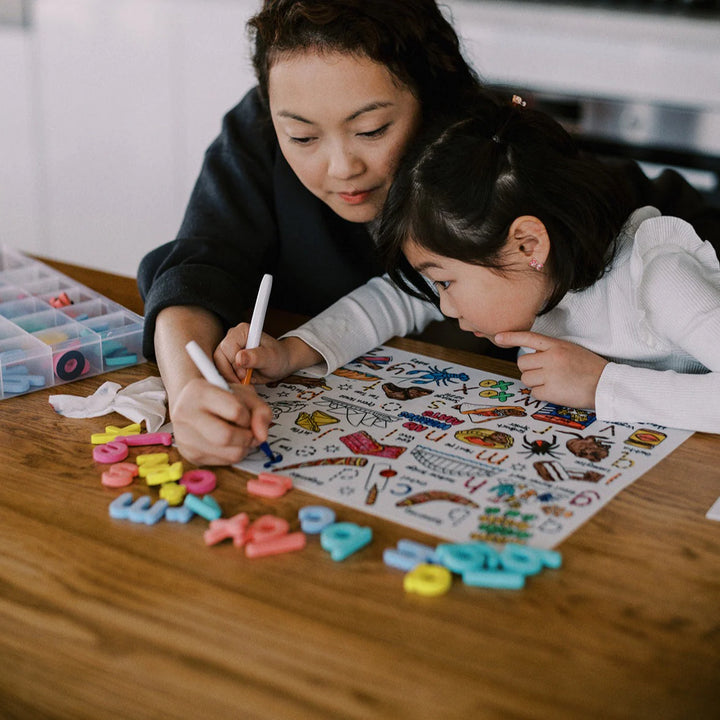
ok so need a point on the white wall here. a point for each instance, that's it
(19, 198)
(105, 111)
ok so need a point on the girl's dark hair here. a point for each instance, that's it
(457, 192)
(410, 37)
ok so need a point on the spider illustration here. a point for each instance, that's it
(540, 447)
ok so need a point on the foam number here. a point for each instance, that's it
(461, 557)
(516, 562)
(408, 554)
(150, 459)
(267, 527)
(120, 506)
(151, 462)
(482, 566)
(496, 579)
(514, 553)
(276, 545)
(173, 493)
(343, 539)
(181, 514)
(119, 475)
(112, 452)
(71, 365)
(143, 510)
(269, 485)
(101, 438)
(158, 438)
(268, 535)
(15, 384)
(521, 559)
(428, 580)
(112, 432)
(205, 507)
(199, 482)
(132, 429)
(160, 474)
(226, 528)
(315, 518)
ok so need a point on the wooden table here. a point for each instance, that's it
(109, 619)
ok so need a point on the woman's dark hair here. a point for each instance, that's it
(459, 189)
(410, 37)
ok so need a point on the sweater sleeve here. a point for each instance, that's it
(681, 400)
(680, 296)
(362, 320)
(228, 236)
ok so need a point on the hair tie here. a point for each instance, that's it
(498, 136)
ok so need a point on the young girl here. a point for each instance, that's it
(528, 243)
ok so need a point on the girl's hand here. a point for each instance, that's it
(272, 360)
(558, 371)
(216, 427)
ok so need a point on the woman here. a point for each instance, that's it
(301, 168)
(292, 186)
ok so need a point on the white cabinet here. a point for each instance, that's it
(106, 130)
(216, 72)
(19, 169)
(105, 111)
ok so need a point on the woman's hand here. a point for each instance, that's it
(558, 371)
(272, 360)
(215, 427)
(211, 426)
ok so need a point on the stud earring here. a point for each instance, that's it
(535, 263)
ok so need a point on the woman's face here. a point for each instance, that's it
(343, 123)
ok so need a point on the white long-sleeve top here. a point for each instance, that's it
(362, 320)
(655, 314)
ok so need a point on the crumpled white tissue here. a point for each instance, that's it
(143, 400)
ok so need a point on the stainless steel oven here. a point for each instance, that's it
(630, 78)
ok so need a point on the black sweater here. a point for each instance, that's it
(249, 214)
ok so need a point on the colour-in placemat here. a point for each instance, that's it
(453, 451)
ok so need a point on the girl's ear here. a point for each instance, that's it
(529, 237)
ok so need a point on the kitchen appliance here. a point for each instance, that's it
(627, 78)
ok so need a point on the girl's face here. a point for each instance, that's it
(343, 123)
(483, 301)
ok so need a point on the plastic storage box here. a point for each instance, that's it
(54, 330)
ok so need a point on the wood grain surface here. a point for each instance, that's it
(102, 618)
